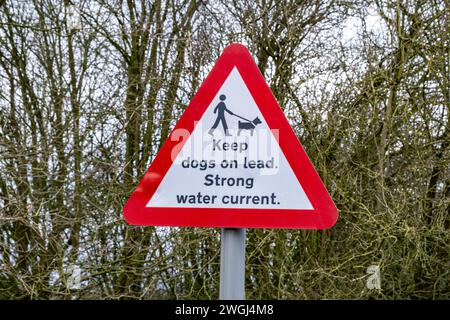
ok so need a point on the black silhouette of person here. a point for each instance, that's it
(220, 109)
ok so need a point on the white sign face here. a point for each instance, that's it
(231, 160)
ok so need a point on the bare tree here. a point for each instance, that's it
(89, 91)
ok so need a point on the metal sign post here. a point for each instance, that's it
(232, 264)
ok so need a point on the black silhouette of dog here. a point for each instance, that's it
(248, 125)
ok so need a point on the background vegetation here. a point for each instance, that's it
(90, 90)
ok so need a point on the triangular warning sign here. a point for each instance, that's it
(232, 161)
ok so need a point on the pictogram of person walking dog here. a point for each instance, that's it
(221, 109)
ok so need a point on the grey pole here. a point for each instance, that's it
(232, 264)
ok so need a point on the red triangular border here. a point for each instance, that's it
(325, 212)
